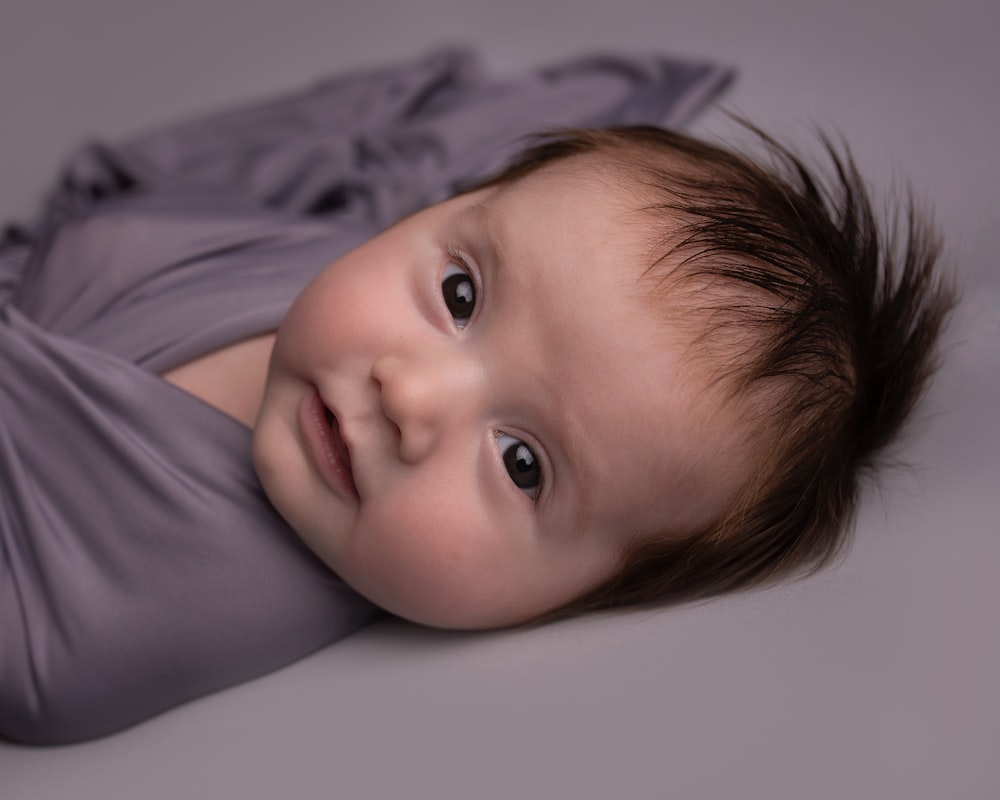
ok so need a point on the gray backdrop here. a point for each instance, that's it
(877, 679)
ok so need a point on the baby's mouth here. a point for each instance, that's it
(343, 454)
(336, 456)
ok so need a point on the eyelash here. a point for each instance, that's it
(457, 258)
(517, 457)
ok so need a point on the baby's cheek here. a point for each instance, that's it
(425, 562)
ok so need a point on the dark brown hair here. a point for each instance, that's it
(836, 316)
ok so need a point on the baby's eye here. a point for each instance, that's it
(459, 293)
(521, 464)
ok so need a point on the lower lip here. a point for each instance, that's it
(321, 438)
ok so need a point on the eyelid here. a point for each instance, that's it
(544, 487)
(457, 256)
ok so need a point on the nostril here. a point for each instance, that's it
(383, 400)
(414, 398)
(394, 428)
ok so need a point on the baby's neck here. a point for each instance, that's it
(231, 378)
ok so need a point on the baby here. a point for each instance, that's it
(632, 368)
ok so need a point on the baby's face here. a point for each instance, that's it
(468, 416)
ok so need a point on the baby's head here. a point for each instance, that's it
(633, 368)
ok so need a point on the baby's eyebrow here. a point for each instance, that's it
(487, 221)
(481, 214)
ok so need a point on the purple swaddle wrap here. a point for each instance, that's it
(141, 565)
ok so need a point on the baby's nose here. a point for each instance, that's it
(423, 396)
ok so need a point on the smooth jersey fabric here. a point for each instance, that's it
(140, 563)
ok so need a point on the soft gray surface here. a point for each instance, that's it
(874, 680)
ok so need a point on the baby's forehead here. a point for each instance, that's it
(603, 190)
(689, 282)
(595, 357)
(639, 198)
(613, 173)
(630, 247)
